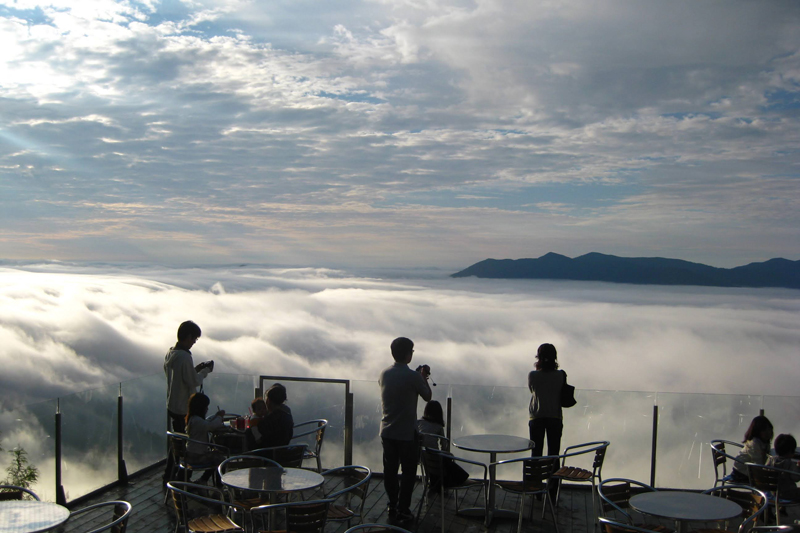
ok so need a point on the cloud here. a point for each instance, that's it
(254, 135)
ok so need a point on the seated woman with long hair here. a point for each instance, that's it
(198, 427)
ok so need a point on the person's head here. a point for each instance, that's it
(760, 428)
(198, 406)
(433, 413)
(402, 350)
(188, 333)
(546, 357)
(785, 445)
(276, 395)
(259, 407)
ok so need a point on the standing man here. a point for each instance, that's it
(400, 388)
(183, 378)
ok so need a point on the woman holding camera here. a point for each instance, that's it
(545, 384)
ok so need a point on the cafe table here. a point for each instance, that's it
(492, 444)
(684, 507)
(272, 480)
(30, 516)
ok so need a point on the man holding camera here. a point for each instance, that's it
(400, 388)
(183, 377)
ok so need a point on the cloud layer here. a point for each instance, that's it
(398, 133)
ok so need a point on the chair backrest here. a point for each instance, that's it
(720, 460)
(376, 528)
(536, 471)
(764, 477)
(598, 447)
(353, 481)
(611, 526)
(13, 492)
(752, 501)
(301, 517)
(432, 463)
(318, 430)
(182, 492)
(290, 456)
(434, 441)
(615, 493)
(238, 462)
(119, 518)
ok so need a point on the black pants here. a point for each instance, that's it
(401, 454)
(178, 424)
(553, 427)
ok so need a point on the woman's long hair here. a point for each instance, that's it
(198, 406)
(757, 427)
(546, 358)
(433, 413)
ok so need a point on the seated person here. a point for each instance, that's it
(271, 424)
(432, 423)
(198, 427)
(785, 447)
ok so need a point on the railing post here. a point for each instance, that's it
(348, 426)
(449, 417)
(61, 498)
(654, 448)
(122, 471)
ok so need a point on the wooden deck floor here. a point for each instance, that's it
(151, 515)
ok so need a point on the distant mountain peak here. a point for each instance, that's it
(595, 266)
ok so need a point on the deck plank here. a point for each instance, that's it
(150, 514)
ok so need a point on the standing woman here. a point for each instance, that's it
(545, 384)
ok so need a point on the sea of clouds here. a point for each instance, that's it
(69, 328)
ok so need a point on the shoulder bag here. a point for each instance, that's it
(567, 393)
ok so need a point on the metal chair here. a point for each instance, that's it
(318, 430)
(239, 497)
(215, 522)
(767, 479)
(720, 460)
(341, 486)
(376, 528)
(119, 519)
(178, 445)
(536, 472)
(614, 495)
(580, 475)
(13, 492)
(290, 456)
(433, 468)
(752, 501)
(300, 517)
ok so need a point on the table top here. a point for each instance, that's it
(30, 516)
(493, 443)
(685, 506)
(272, 479)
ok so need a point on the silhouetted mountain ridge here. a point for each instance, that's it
(595, 266)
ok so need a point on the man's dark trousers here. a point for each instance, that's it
(403, 454)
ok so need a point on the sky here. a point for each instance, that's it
(398, 133)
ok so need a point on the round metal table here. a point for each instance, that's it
(685, 507)
(492, 444)
(30, 516)
(272, 479)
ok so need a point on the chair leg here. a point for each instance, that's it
(549, 502)
(521, 510)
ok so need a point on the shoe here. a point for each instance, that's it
(392, 511)
(405, 515)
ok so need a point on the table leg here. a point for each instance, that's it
(490, 488)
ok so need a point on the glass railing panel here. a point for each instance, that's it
(686, 425)
(89, 440)
(32, 427)
(367, 448)
(144, 421)
(784, 413)
(623, 418)
(311, 400)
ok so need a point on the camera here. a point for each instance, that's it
(206, 364)
(426, 371)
